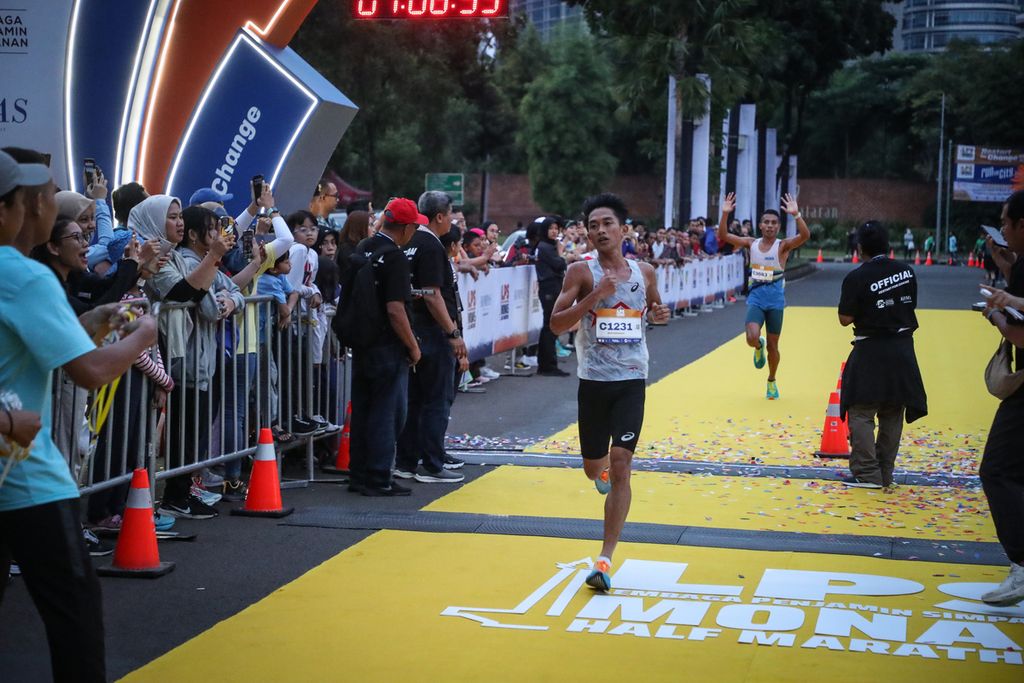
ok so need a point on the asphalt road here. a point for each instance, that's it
(237, 561)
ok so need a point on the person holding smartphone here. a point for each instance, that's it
(1002, 467)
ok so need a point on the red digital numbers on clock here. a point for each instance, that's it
(430, 9)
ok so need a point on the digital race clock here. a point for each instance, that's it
(429, 9)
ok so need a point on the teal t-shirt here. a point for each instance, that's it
(38, 333)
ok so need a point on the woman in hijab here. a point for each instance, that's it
(93, 216)
(550, 267)
(160, 217)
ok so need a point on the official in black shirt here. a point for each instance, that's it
(380, 373)
(1002, 465)
(435, 313)
(881, 378)
(550, 269)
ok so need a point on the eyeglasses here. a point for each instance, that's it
(79, 237)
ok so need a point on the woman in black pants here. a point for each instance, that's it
(1002, 467)
(550, 268)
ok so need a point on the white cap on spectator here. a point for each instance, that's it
(13, 174)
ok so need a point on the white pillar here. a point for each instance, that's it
(670, 154)
(746, 164)
(771, 168)
(699, 160)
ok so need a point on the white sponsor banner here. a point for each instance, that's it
(501, 309)
(33, 43)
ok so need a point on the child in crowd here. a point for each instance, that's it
(275, 283)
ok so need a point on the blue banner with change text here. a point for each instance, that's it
(245, 125)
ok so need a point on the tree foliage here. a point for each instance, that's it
(427, 96)
(566, 125)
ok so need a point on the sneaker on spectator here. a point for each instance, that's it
(425, 476)
(860, 483)
(1010, 591)
(111, 523)
(404, 474)
(97, 548)
(163, 522)
(190, 508)
(488, 373)
(234, 491)
(561, 350)
(395, 489)
(451, 463)
(529, 361)
(553, 372)
(208, 497)
(303, 427)
(327, 426)
(475, 384)
(211, 480)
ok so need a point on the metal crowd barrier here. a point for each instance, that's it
(262, 376)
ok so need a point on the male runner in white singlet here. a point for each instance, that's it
(610, 297)
(766, 294)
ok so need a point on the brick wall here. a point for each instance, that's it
(847, 201)
(511, 200)
(855, 201)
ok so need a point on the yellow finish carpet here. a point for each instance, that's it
(714, 408)
(406, 606)
(748, 503)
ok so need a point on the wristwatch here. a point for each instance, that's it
(455, 334)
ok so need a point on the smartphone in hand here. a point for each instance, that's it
(257, 187)
(247, 241)
(996, 235)
(89, 172)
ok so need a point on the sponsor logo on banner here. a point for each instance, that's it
(834, 612)
(985, 174)
(506, 298)
(471, 309)
(14, 34)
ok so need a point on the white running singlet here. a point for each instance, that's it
(612, 341)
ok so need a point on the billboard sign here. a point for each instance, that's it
(985, 174)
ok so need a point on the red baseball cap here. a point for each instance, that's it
(403, 210)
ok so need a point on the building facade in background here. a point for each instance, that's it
(929, 25)
(545, 15)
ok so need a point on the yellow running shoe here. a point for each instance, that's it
(759, 354)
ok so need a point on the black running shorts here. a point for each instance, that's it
(610, 412)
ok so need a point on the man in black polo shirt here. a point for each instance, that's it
(435, 320)
(380, 372)
(881, 378)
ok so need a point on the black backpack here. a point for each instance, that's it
(360, 321)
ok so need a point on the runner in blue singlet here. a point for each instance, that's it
(766, 299)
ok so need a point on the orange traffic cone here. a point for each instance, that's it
(928, 261)
(855, 259)
(341, 460)
(970, 260)
(892, 254)
(821, 259)
(136, 554)
(264, 496)
(917, 258)
(833, 435)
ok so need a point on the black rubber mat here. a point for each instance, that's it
(832, 473)
(968, 552)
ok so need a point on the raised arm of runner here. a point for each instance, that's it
(803, 233)
(728, 206)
